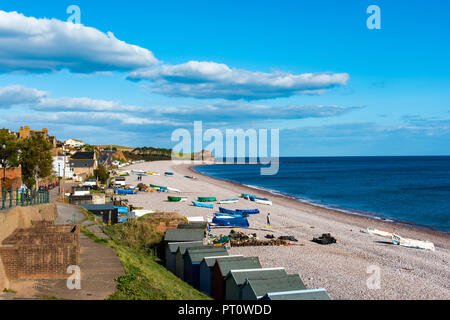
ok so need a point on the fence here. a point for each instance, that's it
(15, 198)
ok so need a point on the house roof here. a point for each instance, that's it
(184, 235)
(211, 261)
(81, 163)
(83, 156)
(239, 263)
(288, 283)
(240, 276)
(173, 246)
(197, 254)
(313, 294)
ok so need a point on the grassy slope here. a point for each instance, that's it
(145, 278)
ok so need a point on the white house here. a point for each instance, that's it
(74, 143)
(58, 167)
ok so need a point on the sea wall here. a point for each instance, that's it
(22, 217)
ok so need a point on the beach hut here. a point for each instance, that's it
(312, 294)
(184, 235)
(223, 267)
(171, 252)
(179, 259)
(206, 269)
(236, 278)
(255, 289)
(192, 259)
(194, 225)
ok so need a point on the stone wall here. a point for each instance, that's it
(44, 251)
(22, 217)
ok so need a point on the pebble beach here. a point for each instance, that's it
(344, 268)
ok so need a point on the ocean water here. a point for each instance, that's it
(412, 190)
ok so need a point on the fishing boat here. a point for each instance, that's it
(230, 212)
(168, 173)
(158, 187)
(173, 189)
(219, 214)
(380, 232)
(202, 205)
(411, 243)
(227, 201)
(231, 221)
(190, 177)
(263, 201)
(249, 211)
(206, 199)
(176, 199)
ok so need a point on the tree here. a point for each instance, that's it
(12, 147)
(35, 159)
(101, 174)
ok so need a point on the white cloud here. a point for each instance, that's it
(82, 104)
(19, 95)
(28, 44)
(213, 80)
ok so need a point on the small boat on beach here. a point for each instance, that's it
(380, 232)
(190, 177)
(173, 189)
(248, 211)
(231, 212)
(411, 243)
(206, 199)
(219, 214)
(168, 173)
(247, 196)
(176, 199)
(228, 201)
(263, 201)
(202, 205)
(230, 221)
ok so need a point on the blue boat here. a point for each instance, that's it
(122, 209)
(231, 221)
(230, 215)
(202, 205)
(230, 212)
(124, 191)
(168, 173)
(250, 211)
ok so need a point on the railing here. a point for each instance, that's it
(23, 198)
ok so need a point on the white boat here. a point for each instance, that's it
(411, 243)
(380, 232)
(263, 201)
(173, 189)
(228, 201)
(140, 213)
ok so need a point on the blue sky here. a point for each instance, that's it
(312, 69)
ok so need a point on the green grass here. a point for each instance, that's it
(145, 278)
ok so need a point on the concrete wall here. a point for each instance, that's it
(22, 218)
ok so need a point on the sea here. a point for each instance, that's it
(406, 190)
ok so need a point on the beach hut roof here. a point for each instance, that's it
(173, 246)
(239, 263)
(211, 261)
(198, 255)
(263, 286)
(193, 225)
(312, 294)
(184, 235)
(240, 276)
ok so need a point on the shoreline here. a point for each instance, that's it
(333, 213)
(341, 268)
